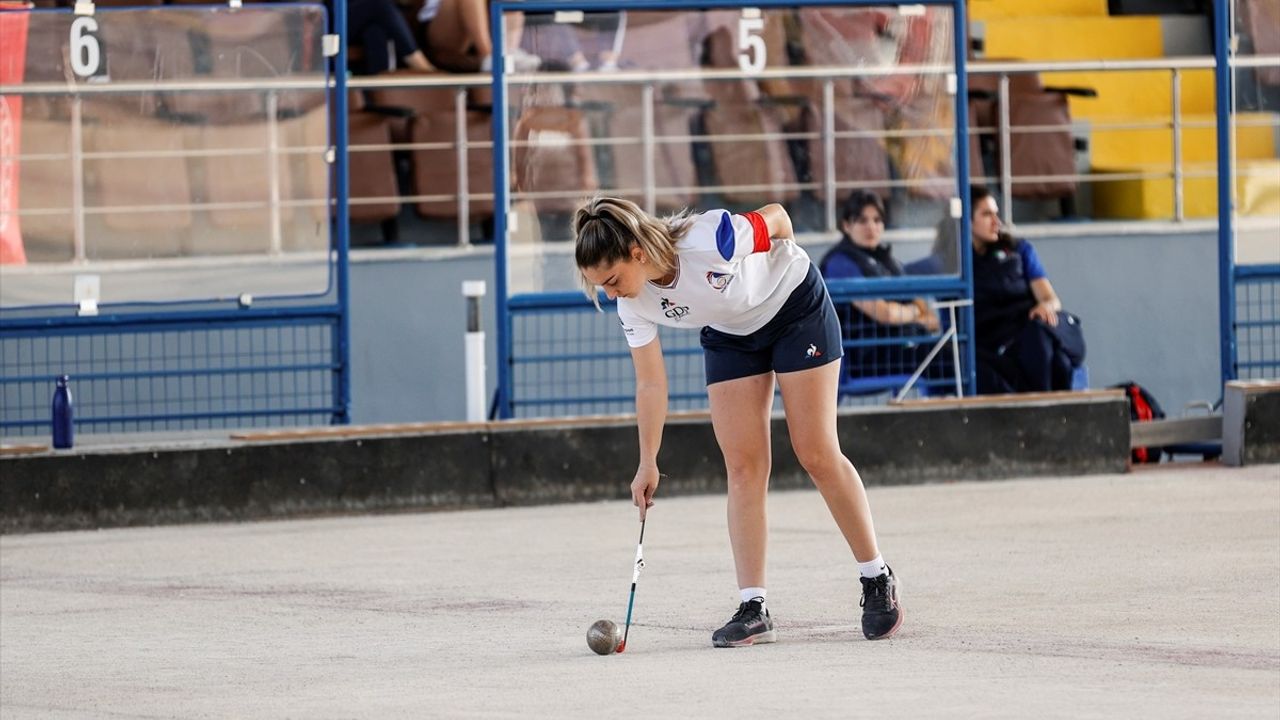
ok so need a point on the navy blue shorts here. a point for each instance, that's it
(804, 334)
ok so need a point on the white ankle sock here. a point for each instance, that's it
(873, 568)
(751, 593)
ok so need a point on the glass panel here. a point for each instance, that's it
(729, 109)
(1256, 189)
(171, 135)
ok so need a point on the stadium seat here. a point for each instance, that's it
(551, 155)
(159, 179)
(244, 177)
(652, 41)
(850, 37)
(371, 172)
(435, 170)
(248, 45)
(739, 108)
(615, 112)
(1031, 154)
(1262, 22)
(44, 183)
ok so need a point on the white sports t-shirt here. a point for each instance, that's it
(729, 275)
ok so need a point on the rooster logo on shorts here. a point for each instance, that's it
(813, 351)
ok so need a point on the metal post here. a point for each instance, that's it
(829, 151)
(273, 170)
(464, 179)
(1223, 99)
(474, 291)
(1179, 194)
(646, 133)
(77, 177)
(342, 221)
(960, 31)
(1006, 150)
(501, 176)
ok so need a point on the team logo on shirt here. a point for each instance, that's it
(813, 351)
(673, 311)
(719, 281)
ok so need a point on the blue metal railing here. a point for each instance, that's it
(1256, 322)
(569, 359)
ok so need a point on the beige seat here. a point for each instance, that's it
(622, 120)
(551, 156)
(44, 187)
(372, 191)
(246, 44)
(761, 161)
(242, 179)
(152, 192)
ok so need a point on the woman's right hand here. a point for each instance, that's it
(643, 488)
(928, 318)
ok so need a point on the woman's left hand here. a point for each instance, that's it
(1045, 313)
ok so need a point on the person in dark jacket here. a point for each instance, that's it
(860, 254)
(1024, 341)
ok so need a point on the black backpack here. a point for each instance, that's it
(1143, 407)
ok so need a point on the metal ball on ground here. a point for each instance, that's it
(603, 637)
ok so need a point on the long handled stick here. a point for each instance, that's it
(635, 575)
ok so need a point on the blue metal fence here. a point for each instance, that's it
(1256, 325)
(569, 359)
(141, 376)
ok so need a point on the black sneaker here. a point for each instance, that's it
(750, 625)
(881, 613)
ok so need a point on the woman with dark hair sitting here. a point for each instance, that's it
(1024, 341)
(860, 253)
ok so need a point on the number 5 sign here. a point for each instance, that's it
(751, 50)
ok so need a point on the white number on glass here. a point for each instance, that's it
(753, 61)
(85, 51)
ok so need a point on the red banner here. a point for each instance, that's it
(13, 55)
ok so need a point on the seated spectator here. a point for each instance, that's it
(944, 258)
(455, 35)
(1024, 341)
(859, 253)
(373, 24)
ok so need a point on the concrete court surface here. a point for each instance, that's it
(1153, 594)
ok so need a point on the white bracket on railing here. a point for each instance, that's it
(84, 7)
(330, 45)
(953, 84)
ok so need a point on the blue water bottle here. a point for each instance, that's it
(62, 426)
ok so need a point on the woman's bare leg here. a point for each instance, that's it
(809, 397)
(740, 417)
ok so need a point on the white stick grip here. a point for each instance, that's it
(635, 574)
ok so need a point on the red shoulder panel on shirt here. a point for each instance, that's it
(761, 228)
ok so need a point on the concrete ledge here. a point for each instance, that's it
(386, 468)
(1251, 422)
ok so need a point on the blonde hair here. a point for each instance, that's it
(606, 228)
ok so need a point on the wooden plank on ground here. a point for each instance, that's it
(31, 449)
(1157, 433)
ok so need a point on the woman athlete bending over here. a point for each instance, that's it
(763, 311)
